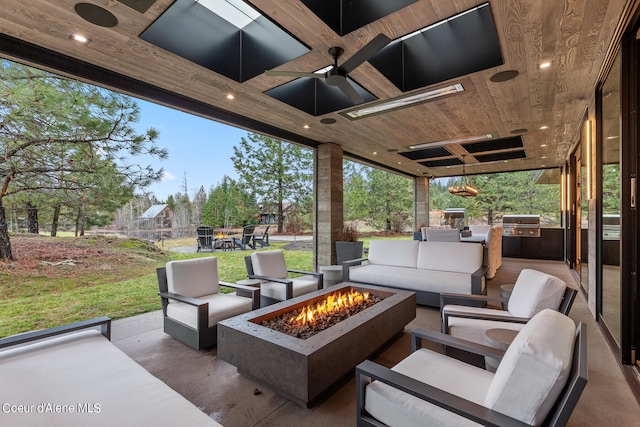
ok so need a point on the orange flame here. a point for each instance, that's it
(334, 302)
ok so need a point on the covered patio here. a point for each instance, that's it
(233, 400)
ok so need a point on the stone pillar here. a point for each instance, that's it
(420, 202)
(328, 211)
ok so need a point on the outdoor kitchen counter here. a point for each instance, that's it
(549, 246)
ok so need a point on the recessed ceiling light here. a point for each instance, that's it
(79, 38)
(545, 127)
(544, 65)
(543, 145)
(374, 153)
(399, 163)
(230, 96)
(403, 101)
(543, 157)
(306, 126)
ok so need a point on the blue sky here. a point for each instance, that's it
(199, 148)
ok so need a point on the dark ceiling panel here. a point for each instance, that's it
(454, 161)
(265, 46)
(505, 155)
(462, 45)
(494, 144)
(344, 16)
(193, 32)
(315, 97)
(138, 5)
(428, 153)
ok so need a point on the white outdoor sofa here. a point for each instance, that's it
(426, 268)
(73, 375)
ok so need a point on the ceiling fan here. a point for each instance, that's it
(337, 75)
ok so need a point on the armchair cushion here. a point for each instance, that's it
(193, 277)
(301, 285)
(534, 369)
(269, 264)
(221, 306)
(394, 407)
(534, 291)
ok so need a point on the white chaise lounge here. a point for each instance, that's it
(81, 379)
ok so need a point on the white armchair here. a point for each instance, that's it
(533, 292)
(538, 382)
(191, 303)
(271, 269)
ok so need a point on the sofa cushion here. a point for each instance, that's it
(301, 285)
(534, 368)
(394, 407)
(412, 278)
(449, 256)
(221, 306)
(82, 370)
(397, 253)
(193, 277)
(535, 291)
(269, 264)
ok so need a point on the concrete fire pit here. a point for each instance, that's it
(303, 370)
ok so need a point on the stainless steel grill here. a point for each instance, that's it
(521, 225)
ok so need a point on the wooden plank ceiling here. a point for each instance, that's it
(573, 35)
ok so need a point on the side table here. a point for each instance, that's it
(331, 274)
(247, 282)
(499, 338)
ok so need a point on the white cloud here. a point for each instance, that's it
(168, 176)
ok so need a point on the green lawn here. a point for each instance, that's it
(31, 299)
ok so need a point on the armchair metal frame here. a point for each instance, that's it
(368, 371)
(204, 336)
(288, 283)
(472, 300)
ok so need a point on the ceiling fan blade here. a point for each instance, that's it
(365, 53)
(294, 74)
(350, 91)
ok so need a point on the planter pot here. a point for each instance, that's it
(348, 250)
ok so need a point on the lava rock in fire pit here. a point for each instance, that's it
(307, 321)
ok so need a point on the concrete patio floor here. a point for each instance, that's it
(214, 385)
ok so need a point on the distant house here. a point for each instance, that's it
(157, 217)
(269, 213)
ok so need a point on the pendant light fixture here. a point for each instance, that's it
(464, 189)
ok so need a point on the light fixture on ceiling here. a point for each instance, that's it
(79, 38)
(544, 65)
(474, 138)
(236, 12)
(403, 102)
(464, 189)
